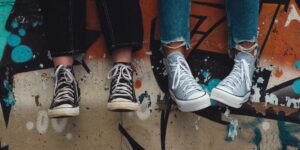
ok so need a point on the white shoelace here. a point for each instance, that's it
(117, 72)
(64, 93)
(239, 73)
(183, 69)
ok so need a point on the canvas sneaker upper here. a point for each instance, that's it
(181, 81)
(239, 81)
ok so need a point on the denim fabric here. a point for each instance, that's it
(174, 21)
(242, 18)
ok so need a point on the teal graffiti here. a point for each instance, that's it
(297, 64)
(21, 54)
(296, 86)
(232, 130)
(257, 138)
(4, 13)
(142, 98)
(286, 132)
(14, 24)
(257, 133)
(212, 83)
(285, 136)
(205, 74)
(9, 100)
(13, 40)
(22, 32)
(252, 124)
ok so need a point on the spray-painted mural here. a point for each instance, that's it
(276, 90)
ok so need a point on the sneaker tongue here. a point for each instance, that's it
(61, 71)
(173, 56)
(246, 56)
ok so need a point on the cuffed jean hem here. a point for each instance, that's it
(178, 39)
(135, 46)
(235, 41)
(66, 53)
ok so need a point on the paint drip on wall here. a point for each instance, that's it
(146, 108)
(9, 100)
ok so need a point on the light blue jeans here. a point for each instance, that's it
(242, 18)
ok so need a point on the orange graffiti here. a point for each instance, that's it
(137, 84)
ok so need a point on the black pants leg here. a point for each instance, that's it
(121, 23)
(64, 20)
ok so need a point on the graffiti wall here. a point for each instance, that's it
(268, 121)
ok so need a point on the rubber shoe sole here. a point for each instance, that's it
(229, 99)
(192, 105)
(63, 111)
(121, 105)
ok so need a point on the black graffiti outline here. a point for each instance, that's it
(132, 142)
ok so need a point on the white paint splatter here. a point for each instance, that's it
(293, 15)
(256, 96)
(59, 125)
(265, 125)
(271, 99)
(165, 73)
(42, 65)
(149, 53)
(232, 130)
(29, 125)
(145, 110)
(42, 122)
(227, 113)
(196, 125)
(269, 68)
(292, 102)
(69, 136)
(260, 80)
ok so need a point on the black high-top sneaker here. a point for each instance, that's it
(122, 94)
(65, 102)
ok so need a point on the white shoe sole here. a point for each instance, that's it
(122, 105)
(192, 105)
(229, 99)
(63, 112)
